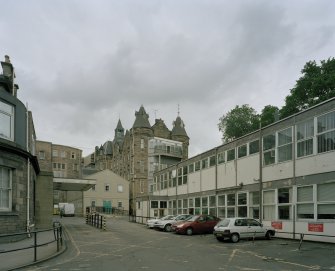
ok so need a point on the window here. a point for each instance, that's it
(180, 206)
(326, 132)
(269, 151)
(197, 166)
(180, 176)
(141, 166)
(6, 121)
(184, 206)
(305, 134)
(119, 204)
(212, 205)
(231, 205)
(142, 143)
(221, 206)
(254, 204)
(221, 158)
(212, 161)
(41, 155)
(204, 205)
(326, 201)
(73, 155)
(120, 188)
(154, 204)
(269, 205)
(230, 155)
(197, 206)
(163, 204)
(93, 188)
(93, 203)
(305, 205)
(63, 154)
(242, 208)
(284, 203)
(5, 189)
(106, 187)
(185, 172)
(204, 163)
(242, 151)
(54, 153)
(191, 168)
(285, 145)
(254, 147)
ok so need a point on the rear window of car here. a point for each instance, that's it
(224, 223)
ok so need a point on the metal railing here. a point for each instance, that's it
(302, 235)
(96, 220)
(57, 233)
(140, 219)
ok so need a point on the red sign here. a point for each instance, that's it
(316, 227)
(278, 225)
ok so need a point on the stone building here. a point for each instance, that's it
(21, 205)
(135, 154)
(65, 165)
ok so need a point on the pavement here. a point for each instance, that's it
(13, 260)
(131, 246)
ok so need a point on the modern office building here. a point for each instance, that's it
(282, 174)
(137, 153)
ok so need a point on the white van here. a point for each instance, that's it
(68, 209)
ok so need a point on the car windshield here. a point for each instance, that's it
(182, 217)
(168, 217)
(224, 222)
(193, 218)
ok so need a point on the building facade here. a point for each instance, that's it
(137, 153)
(282, 174)
(19, 167)
(65, 164)
(111, 193)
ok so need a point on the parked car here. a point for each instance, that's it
(239, 227)
(166, 224)
(196, 224)
(150, 223)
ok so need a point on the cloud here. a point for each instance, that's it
(82, 65)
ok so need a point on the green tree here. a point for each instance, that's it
(316, 84)
(238, 122)
(269, 115)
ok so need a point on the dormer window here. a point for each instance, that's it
(6, 121)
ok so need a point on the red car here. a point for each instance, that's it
(196, 224)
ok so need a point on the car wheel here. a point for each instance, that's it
(268, 235)
(189, 231)
(167, 228)
(221, 239)
(235, 237)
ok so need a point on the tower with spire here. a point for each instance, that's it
(135, 154)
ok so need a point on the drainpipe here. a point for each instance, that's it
(260, 173)
(28, 172)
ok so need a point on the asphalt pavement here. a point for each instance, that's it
(130, 246)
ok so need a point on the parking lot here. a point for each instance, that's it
(130, 246)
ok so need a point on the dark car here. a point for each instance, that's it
(196, 224)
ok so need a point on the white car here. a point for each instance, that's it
(167, 223)
(150, 223)
(240, 227)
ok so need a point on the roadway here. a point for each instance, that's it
(130, 246)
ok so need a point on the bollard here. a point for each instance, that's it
(104, 223)
(86, 218)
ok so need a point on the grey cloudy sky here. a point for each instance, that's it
(81, 65)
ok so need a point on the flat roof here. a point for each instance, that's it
(65, 184)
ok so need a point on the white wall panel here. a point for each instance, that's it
(248, 169)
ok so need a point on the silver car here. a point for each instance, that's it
(240, 227)
(166, 224)
(150, 223)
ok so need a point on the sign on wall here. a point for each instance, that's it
(315, 227)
